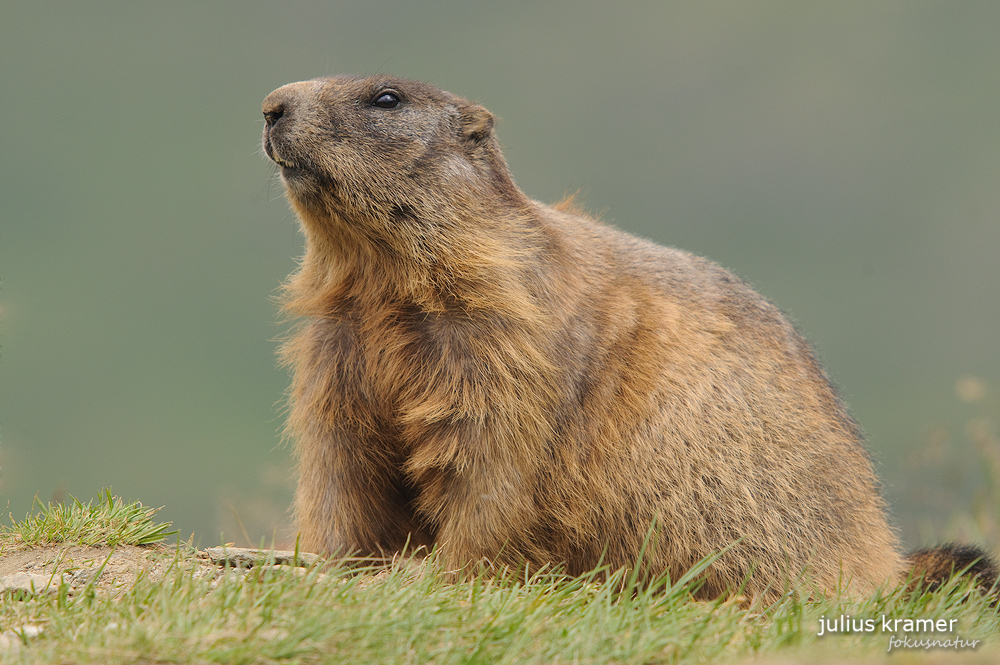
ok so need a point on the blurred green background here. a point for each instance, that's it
(842, 157)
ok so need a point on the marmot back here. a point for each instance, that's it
(521, 383)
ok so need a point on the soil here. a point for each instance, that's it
(113, 570)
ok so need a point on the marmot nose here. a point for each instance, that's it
(273, 113)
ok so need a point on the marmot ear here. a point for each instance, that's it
(477, 122)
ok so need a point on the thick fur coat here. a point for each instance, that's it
(520, 383)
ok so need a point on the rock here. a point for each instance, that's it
(16, 583)
(12, 639)
(243, 557)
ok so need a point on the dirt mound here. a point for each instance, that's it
(42, 569)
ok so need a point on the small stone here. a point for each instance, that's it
(10, 642)
(30, 583)
(11, 639)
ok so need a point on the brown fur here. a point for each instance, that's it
(933, 567)
(520, 383)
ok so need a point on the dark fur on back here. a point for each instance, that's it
(935, 566)
(518, 382)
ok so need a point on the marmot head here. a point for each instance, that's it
(373, 147)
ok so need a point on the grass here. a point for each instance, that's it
(409, 613)
(108, 521)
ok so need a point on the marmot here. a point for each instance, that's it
(523, 384)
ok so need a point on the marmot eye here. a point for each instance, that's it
(387, 100)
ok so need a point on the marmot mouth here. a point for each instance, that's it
(288, 167)
(274, 156)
